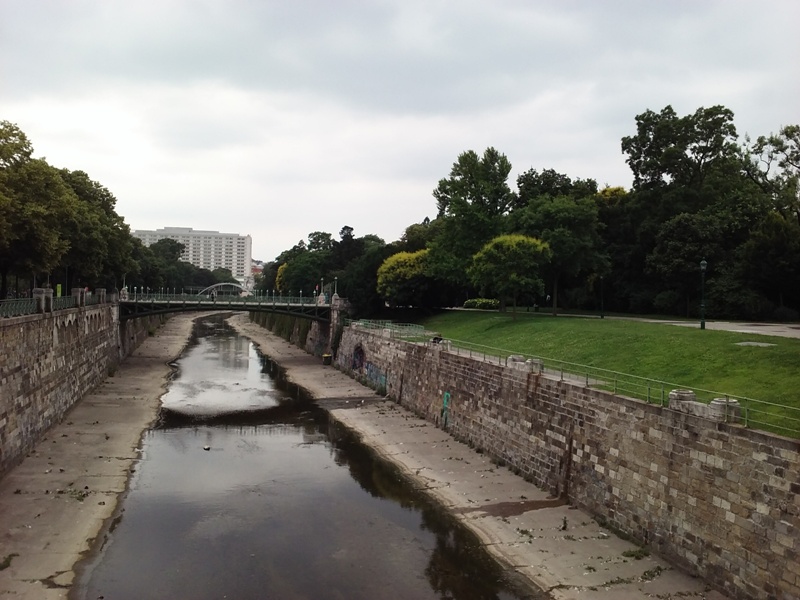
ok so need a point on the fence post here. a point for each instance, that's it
(80, 296)
(44, 299)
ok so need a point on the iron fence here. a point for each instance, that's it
(17, 306)
(406, 331)
(64, 302)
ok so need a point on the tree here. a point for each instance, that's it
(771, 259)
(532, 184)
(15, 149)
(40, 203)
(402, 280)
(358, 281)
(773, 162)
(223, 275)
(302, 273)
(418, 235)
(319, 240)
(568, 224)
(348, 248)
(168, 250)
(668, 149)
(472, 203)
(100, 241)
(479, 182)
(680, 245)
(509, 266)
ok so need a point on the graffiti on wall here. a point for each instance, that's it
(375, 377)
(445, 414)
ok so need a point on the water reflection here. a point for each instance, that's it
(275, 502)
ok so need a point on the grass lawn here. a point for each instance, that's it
(687, 357)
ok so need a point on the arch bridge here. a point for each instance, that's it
(132, 305)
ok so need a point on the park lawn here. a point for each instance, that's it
(685, 356)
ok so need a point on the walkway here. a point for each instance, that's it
(790, 330)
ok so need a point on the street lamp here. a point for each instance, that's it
(703, 265)
(335, 286)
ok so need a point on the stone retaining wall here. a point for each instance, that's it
(50, 361)
(718, 500)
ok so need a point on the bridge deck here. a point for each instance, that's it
(145, 304)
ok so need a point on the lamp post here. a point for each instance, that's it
(703, 265)
(335, 285)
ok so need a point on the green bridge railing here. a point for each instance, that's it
(17, 307)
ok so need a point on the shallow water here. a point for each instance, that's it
(246, 490)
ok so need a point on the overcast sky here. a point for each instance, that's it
(279, 118)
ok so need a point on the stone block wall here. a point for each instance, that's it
(50, 361)
(718, 500)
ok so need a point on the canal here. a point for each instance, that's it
(246, 489)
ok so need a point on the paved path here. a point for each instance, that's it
(791, 330)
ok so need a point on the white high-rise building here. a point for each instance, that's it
(208, 249)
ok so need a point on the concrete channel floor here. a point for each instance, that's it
(58, 504)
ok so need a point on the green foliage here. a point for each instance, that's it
(672, 150)
(402, 280)
(509, 266)
(15, 148)
(569, 224)
(482, 303)
(419, 235)
(358, 280)
(39, 205)
(472, 202)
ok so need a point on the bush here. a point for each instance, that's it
(667, 302)
(482, 303)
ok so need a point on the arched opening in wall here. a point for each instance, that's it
(358, 358)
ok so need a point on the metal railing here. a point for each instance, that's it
(65, 302)
(223, 298)
(405, 331)
(17, 307)
(27, 306)
(757, 414)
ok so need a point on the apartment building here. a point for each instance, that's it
(208, 249)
